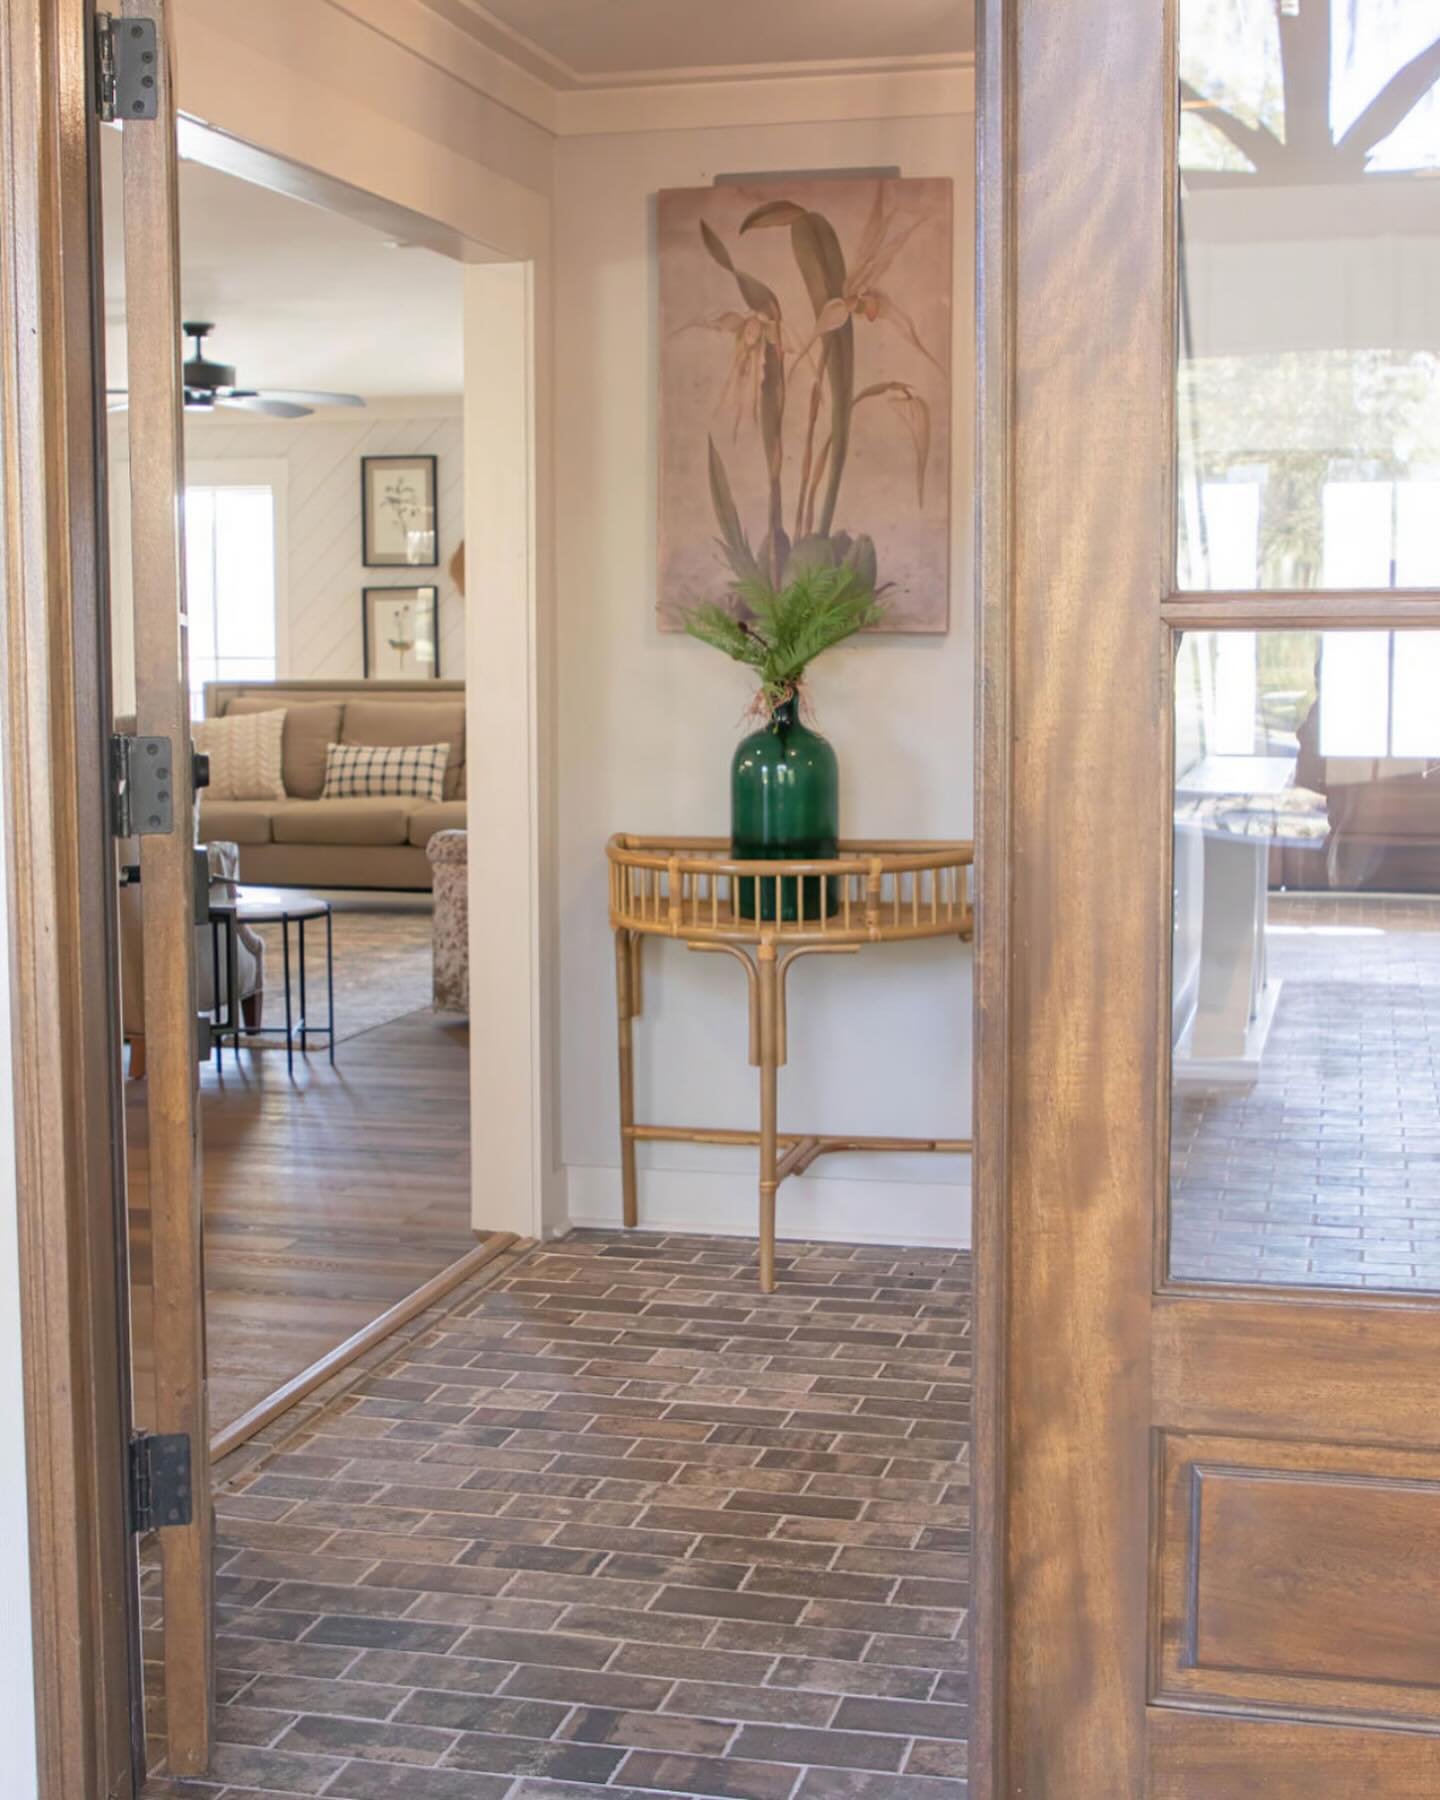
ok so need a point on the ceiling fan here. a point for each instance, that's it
(211, 384)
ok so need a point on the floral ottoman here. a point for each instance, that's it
(448, 874)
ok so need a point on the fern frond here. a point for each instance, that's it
(711, 624)
(821, 605)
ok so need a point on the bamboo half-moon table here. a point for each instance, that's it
(767, 915)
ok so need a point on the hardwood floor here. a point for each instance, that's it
(326, 1200)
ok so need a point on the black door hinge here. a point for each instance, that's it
(160, 1491)
(127, 68)
(142, 786)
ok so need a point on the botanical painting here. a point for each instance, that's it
(398, 511)
(805, 389)
(399, 632)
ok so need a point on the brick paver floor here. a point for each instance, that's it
(617, 1522)
(1327, 1171)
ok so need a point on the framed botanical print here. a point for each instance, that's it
(400, 630)
(397, 505)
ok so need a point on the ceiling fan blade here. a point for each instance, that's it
(258, 403)
(302, 397)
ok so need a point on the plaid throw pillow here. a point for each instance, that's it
(368, 771)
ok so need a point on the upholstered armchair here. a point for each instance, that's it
(213, 994)
(449, 874)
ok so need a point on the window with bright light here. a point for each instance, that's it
(230, 585)
(1375, 701)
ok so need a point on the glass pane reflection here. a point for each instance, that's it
(1309, 356)
(1305, 1118)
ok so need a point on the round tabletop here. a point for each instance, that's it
(256, 905)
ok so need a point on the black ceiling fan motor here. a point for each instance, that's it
(201, 375)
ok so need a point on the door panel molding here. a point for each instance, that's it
(1286, 1578)
(62, 947)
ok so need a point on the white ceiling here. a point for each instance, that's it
(580, 43)
(300, 297)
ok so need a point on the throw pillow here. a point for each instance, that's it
(368, 771)
(244, 751)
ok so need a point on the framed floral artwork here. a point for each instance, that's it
(805, 356)
(397, 507)
(400, 627)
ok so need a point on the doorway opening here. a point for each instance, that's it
(324, 525)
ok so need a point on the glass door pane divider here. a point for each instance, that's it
(1375, 608)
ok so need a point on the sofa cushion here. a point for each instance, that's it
(404, 771)
(239, 821)
(341, 821)
(244, 753)
(410, 722)
(425, 821)
(309, 727)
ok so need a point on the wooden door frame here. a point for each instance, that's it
(994, 275)
(1076, 347)
(62, 949)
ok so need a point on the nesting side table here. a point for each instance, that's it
(767, 915)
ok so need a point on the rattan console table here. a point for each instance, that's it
(691, 889)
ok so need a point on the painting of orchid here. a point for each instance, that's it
(805, 390)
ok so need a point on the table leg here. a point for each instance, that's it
(289, 1019)
(232, 977)
(217, 1016)
(300, 951)
(768, 971)
(624, 1009)
(330, 977)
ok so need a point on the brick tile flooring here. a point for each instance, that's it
(617, 1522)
(1327, 1171)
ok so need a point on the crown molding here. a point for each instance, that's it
(503, 38)
(792, 100)
(415, 27)
(546, 92)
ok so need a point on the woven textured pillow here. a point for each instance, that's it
(368, 771)
(245, 755)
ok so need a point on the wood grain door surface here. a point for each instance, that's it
(153, 339)
(1208, 1510)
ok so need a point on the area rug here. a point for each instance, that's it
(382, 965)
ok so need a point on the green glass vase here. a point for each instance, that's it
(784, 804)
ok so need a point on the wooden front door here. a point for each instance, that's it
(1208, 1124)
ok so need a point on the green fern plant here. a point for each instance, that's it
(780, 632)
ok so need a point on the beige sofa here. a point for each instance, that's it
(304, 841)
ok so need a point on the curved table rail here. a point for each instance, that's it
(872, 892)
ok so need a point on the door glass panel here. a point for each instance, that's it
(1309, 363)
(1305, 1113)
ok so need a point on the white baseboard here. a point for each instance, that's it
(830, 1209)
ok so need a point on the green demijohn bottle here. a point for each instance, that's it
(784, 805)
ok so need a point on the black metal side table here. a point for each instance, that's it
(284, 907)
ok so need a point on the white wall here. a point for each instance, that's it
(647, 724)
(323, 574)
(17, 1692)
(316, 464)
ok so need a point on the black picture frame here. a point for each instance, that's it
(426, 596)
(383, 530)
